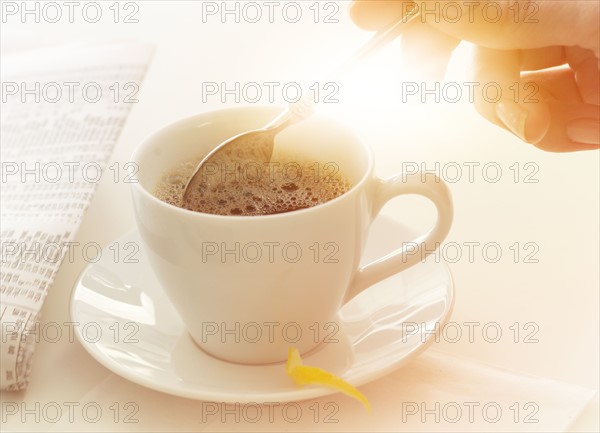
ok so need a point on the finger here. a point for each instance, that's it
(577, 55)
(587, 74)
(376, 14)
(574, 127)
(498, 99)
(580, 83)
(542, 58)
(588, 81)
(557, 84)
(426, 51)
(575, 124)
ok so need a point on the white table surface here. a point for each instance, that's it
(559, 294)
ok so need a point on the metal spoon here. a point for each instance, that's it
(257, 146)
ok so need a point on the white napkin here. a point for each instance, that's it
(433, 393)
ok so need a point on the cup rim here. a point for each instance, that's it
(194, 214)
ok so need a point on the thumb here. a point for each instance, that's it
(517, 24)
(520, 24)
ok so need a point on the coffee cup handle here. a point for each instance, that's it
(411, 253)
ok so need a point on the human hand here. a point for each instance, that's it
(516, 42)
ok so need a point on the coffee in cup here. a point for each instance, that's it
(247, 188)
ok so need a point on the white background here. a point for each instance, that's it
(559, 213)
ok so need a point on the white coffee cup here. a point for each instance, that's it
(249, 287)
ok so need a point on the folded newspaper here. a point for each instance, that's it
(63, 109)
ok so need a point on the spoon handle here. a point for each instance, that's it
(294, 112)
(377, 41)
(305, 107)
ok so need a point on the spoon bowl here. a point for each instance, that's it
(257, 146)
(254, 146)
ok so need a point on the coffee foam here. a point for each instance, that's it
(248, 189)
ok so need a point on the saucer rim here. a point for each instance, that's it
(298, 394)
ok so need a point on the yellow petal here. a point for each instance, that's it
(305, 375)
(293, 360)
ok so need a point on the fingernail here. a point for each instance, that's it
(584, 131)
(530, 124)
(513, 116)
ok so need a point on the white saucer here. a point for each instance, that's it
(125, 321)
